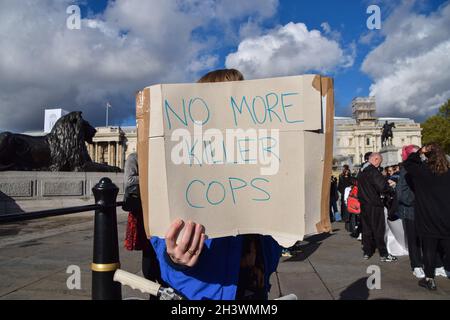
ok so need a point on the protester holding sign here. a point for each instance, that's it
(221, 268)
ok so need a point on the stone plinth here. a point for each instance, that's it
(390, 156)
(24, 191)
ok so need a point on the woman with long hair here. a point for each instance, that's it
(430, 179)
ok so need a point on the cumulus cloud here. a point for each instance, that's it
(410, 67)
(288, 50)
(130, 45)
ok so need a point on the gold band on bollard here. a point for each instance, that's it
(105, 267)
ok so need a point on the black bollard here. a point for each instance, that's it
(106, 246)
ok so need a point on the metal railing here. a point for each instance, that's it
(106, 246)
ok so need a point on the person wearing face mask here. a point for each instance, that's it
(430, 177)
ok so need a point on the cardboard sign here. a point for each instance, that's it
(238, 157)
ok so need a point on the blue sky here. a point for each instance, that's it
(348, 17)
(126, 45)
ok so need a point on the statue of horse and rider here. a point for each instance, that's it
(387, 136)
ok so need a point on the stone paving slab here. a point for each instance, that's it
(34, 258)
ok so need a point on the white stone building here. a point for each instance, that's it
(361, 133)
(112, 145)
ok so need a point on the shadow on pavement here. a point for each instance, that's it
(356, 291)
(301, 250)
(8, 204)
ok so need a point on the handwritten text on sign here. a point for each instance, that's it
(234, 147)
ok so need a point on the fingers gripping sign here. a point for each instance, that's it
(187, 251)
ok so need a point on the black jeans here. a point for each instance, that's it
(414, 245)
(355, 224)
(430, 251)
(333, 210)
(344, 214)
(373, 230)
(150, 267)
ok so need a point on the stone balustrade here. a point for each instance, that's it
(25, 191)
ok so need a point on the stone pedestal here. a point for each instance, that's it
(25, 191)
(390, 156)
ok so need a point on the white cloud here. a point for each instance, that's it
(287, 50)
(326, 27)
(410, 68)
(132, 44)
(206, 62)
(250, 29)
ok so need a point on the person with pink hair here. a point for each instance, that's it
(405, 197)
(429, 172)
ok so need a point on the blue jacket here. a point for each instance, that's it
(216, 274)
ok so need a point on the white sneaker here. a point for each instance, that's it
(360, 237)
(440, 272)
(418, 273)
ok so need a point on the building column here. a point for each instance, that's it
(109, 153)
(363, 147)
(357, 150)
(95, 152)
(115, 153)
(91, 151)
(102, 152)
(99, 152)
(119, 159)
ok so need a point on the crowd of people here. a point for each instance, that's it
(414, 193)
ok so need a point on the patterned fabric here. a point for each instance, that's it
(135, 237)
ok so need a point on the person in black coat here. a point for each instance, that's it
(371, 186)
(405, 211)
(333, 198)
(430, 173)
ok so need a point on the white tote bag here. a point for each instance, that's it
(395, 237)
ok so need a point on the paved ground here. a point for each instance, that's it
(34, 256)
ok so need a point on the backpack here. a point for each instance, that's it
(353, 204)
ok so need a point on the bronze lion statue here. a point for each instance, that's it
(63, 149)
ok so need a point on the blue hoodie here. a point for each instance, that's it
(216, 274)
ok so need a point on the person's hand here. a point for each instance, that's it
(424, 149)
(188, 250)
(392, 183)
